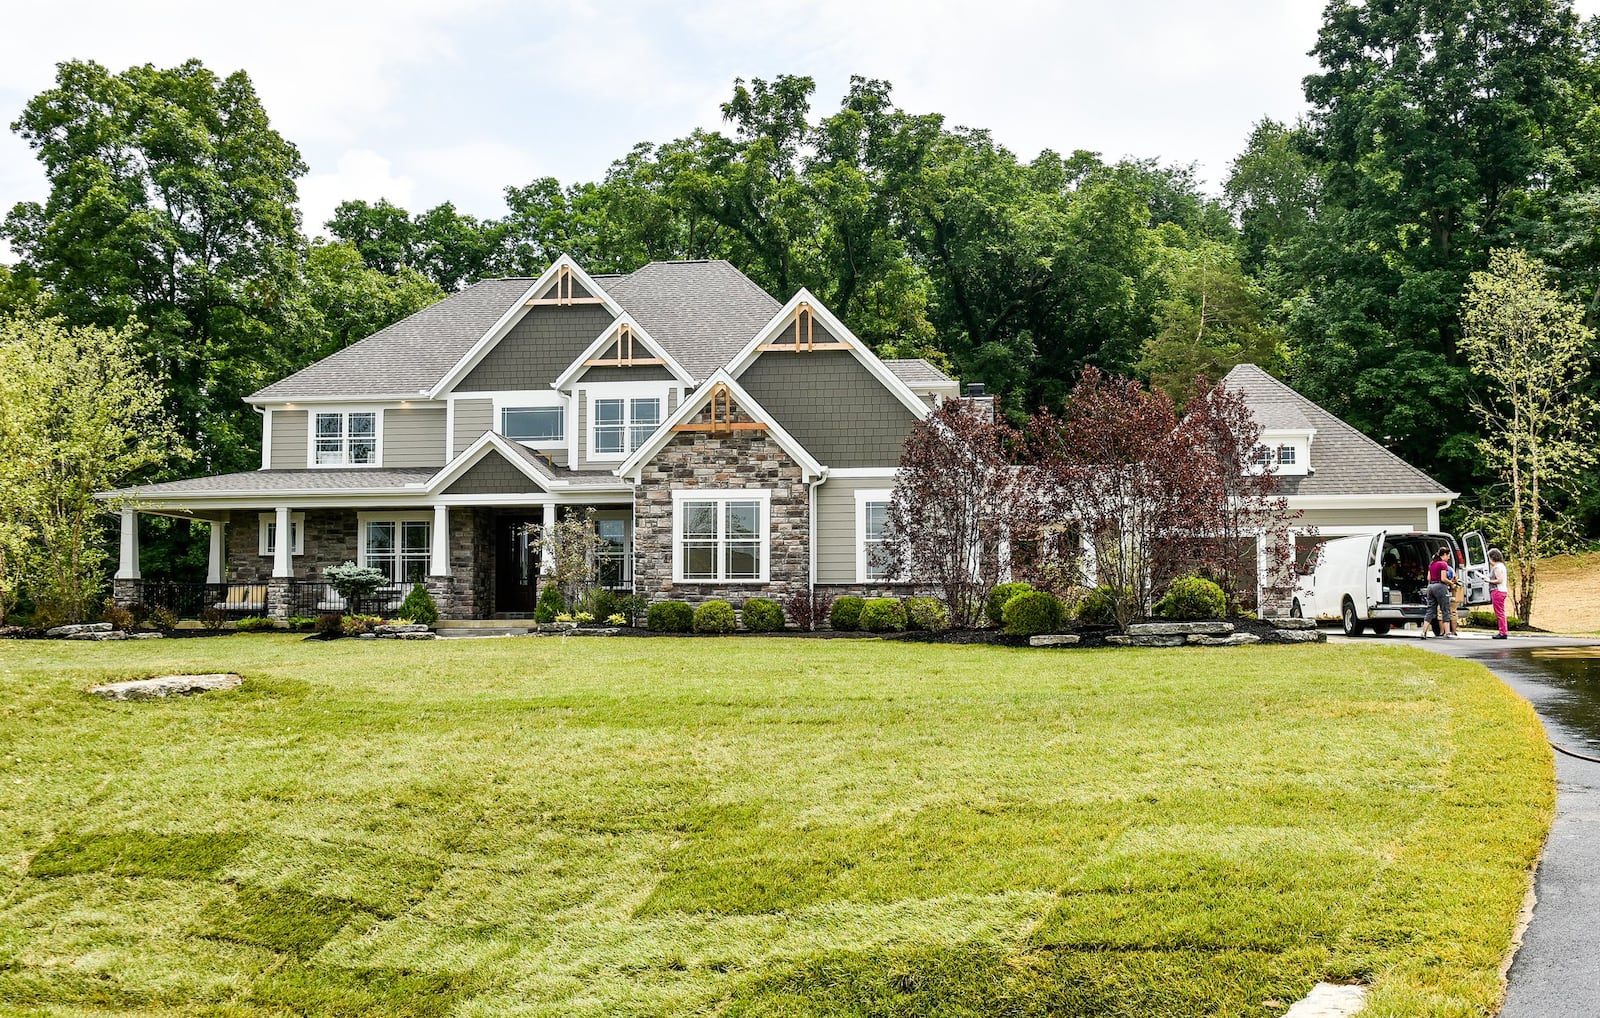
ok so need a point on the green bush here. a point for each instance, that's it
(1098, 607)
(762, 615)
(927, 613)
(419, 607)
(599, 602)
(161, 618)
(1033, 612)
(301, 622)
(1192, 598)
(330, 624)
(550, 605)
(253, 624)
(714, 617)
(118, 616)
(632, 607)
(845, 614)
(1485, 620)
(357, 625)
(670, 617)
(1003, 592)
(883, 615)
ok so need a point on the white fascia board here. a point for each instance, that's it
(891, 381)
(513, 314)
(693, 403)
(1420, 500)
(580, 365)
(388, 400)
(486, 443)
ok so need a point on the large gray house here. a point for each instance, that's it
(728, 446)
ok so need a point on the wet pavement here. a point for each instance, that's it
(1556, 973)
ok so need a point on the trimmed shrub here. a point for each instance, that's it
(419, 607)
(714, 617)
(1033, 612)
(302, 622)
(927, 613)
(762, 615)
(670, 617)
(845, 614)
(330, 624)
(253, 624)
(632, 608)
(356, 625)
(550, 604)
(1003, 592)
(1485, 620)
(599, 602)
(883, 615)
(1098, 608)
(1192, 598)
(118, 616)
(162, 618)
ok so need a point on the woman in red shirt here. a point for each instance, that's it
(1440, 603)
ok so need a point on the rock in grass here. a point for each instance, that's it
(1054, 640)
(399, 628)
(62, 632)
(1297, 636)
(1121, 640)
(168, 685)
(1291, 623)
(1235, 640)
(1179, 628)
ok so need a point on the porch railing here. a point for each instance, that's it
(189, 600)
(310, 598)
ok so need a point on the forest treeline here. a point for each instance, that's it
(1336, 254)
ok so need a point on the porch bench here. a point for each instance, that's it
(242, 598)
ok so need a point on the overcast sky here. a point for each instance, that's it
(422, 101)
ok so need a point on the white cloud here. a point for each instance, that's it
(359, 173)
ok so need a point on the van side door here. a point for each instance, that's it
(1476, 553)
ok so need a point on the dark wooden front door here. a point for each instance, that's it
(516, 564)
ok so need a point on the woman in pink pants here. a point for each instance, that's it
(1499, 589)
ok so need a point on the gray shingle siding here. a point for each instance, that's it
(413, 437)
(832, 405)
(491, 475)
(473, 418)
(288, 440)
(642, 373)
(535, 350)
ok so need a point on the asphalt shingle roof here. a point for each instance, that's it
(252, 482)
(702, 312)
(1343, 460)
(916, 371)
(409, 356)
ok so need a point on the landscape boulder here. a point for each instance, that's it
(1180, 628)
(1054, 640)
(73, 629)
(1297, 636)
(1234, 640)
(1160, 640)
(168, 685)
(1287, 623)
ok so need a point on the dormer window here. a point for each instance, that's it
(1286, 455)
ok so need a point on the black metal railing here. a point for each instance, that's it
(310, 598)
(189, 600)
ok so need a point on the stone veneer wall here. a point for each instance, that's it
(717, 462)
(461, 594)
(330, 538)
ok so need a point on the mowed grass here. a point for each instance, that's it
(759, 827)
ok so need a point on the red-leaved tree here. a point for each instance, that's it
(1153, 495)
(952, 507)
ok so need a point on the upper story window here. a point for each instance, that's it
(622, 425)
(345, 438)
(1286, 455)
(544, 425)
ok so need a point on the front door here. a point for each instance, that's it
(516, 565)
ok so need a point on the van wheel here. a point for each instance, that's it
(1353, 626)
(1379, 628)
(1294, 610)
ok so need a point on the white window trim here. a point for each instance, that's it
(378, 413)
(761, 496)
(363, 518)
(626, 516)
(297, 527)
(863, 496)
(627, 392)
(536, 402)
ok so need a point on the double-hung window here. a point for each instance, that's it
(622, 425)
(397, 548)
(345, 438)
(544, 425)
(721, 537)
(872, 519)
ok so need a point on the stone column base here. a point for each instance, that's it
(278, 599)
(127, 593)
(454, 601)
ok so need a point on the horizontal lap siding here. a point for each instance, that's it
(473, 418)
(836, 525)
(288, 440)
(413, 437)
(1403, 517)
(831, 404)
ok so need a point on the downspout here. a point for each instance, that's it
(811, 526)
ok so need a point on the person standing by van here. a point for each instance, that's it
(1439, 599)
(1499, 590)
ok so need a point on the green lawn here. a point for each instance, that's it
(759, 827)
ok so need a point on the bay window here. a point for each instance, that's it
(720, 537)
(344, 438)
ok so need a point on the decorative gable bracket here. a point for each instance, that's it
(720, 416)
(803, 334)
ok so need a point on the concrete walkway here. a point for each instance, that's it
(1556, 972)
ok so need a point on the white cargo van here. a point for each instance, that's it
(1380, 580)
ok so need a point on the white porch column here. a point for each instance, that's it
(283, 549)
(439, 563)
(547, 561)
(128, 562)
(218, 552)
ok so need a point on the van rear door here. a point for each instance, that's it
(1373, 574)
(1476, 552)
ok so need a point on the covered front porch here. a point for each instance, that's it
(477, 561)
